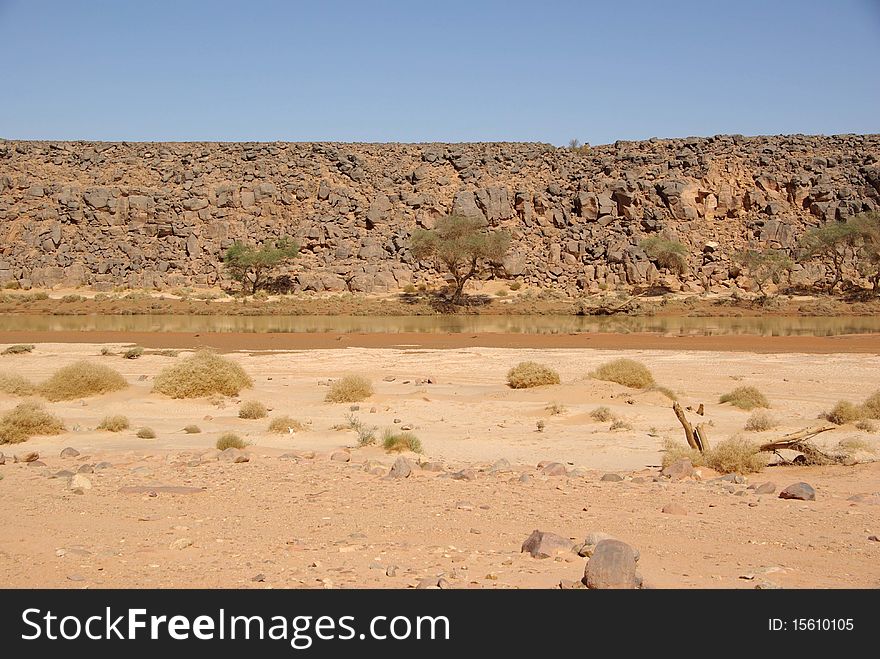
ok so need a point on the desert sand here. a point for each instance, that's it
(293, 517)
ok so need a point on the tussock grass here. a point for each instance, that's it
(400, 441)
(81, 379)
(627, 372)
(868, 425)
(26, 420)
(192, 429)
(745, 398)
(734, 455)
(666, 391)
(854, 445)
(115, 423)
(350, 389)
(202, 374)
(871, 406)
(146, 433)
(620, 424)
(760, 421)
(845, 412)
(19, 349)
(526, 375)
(602, 414)
(556, 409)
(252, 409)
(133, 353)
(16, 385)
(284, 424)
(230, 440)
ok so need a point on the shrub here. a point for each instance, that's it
(735, 455)
(72, 298)
(760, 421)
(844, 412)
(252, 409)
(620, 424)
(350, 389)
(669, 254)
(402, 441)
(106, 352)
(627, 372)
(165, 353)
(602, 414)
(114, 423)
(19, 349)
(867, 425)
(745, 398)
(515, 285)
(192, 429)
(871, 406)
(16, 385)
(230, 440)
(284, 423)
(409, 289)
(674, 451)
(526, 375)
(854, 445)
(146, 433)
(540, 425)
(666, 391)
(202, 374)
(81, 379)
(133, 353)
(26, 420)
(556, 408)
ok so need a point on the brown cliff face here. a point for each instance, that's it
(161, 214)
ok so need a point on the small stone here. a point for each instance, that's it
(402, 468)
(799, 491)
(612, 565)
(2, 458)
(442, 584)
(873, 538)
(406, 426)
(464, 505)
(181, 543)
(525, 478)
(764, 584)
(611, 478)
(554, 469)
(354, 408)
(873, 499)
(86, 469)
(388, 378)
(258, 578)
(766, 487)
(391, 571)
(674, 509)
(30, 456)
(433, 466)
(341, 456)
(69, 452)
(465, 475)
(478, 532)
(102, 465)
(64, 473)
(233, 455)
(427, 582)
(542, 544)
(396, 420)
(36, 463)
(78, 481)
(679, 469)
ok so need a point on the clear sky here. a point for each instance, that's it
(442, 70)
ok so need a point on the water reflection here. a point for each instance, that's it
(815, 326)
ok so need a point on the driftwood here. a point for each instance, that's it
(605, 310)
(697, 438)
(798, 441)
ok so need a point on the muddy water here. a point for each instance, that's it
(687, 326)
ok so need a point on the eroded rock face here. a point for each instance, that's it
(143, 215)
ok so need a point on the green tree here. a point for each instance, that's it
(461, 245)
(249, 265)
(867, 246)
(666, 253)
(832, 241)
(769, 265)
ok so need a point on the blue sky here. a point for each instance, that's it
(418, 71)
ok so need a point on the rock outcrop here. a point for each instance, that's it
(162, 214)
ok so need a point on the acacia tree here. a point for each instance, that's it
(249, 265)
(855, 241)
(460, 245)
(769, 265)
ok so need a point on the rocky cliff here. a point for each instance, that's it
(161, 214)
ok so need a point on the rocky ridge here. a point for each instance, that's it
(161, 214)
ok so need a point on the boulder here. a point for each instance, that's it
(542, 544)
(612, 566)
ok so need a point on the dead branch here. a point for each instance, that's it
(798, 441)
(689, 434)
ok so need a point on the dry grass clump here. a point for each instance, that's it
(760, 421)
(734, 455)
(526, 375)
(192, 429)
(19, 349)
(867, 425)
(844, 412)
(871, 406)
(16, 385)
(285, 424)
(350, 389)
(621, 424)
(133, 353)
(745, 398)
(26, 420)
(627, 372)
(81, 379)
(602, 414)
(854, 445)
(252, 409)
(115, 423)
(556, 409)
(146, 433)
(401, 441)
(666, 391)
(230, 440)
(202, 374)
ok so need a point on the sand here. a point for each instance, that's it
(315, 522)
